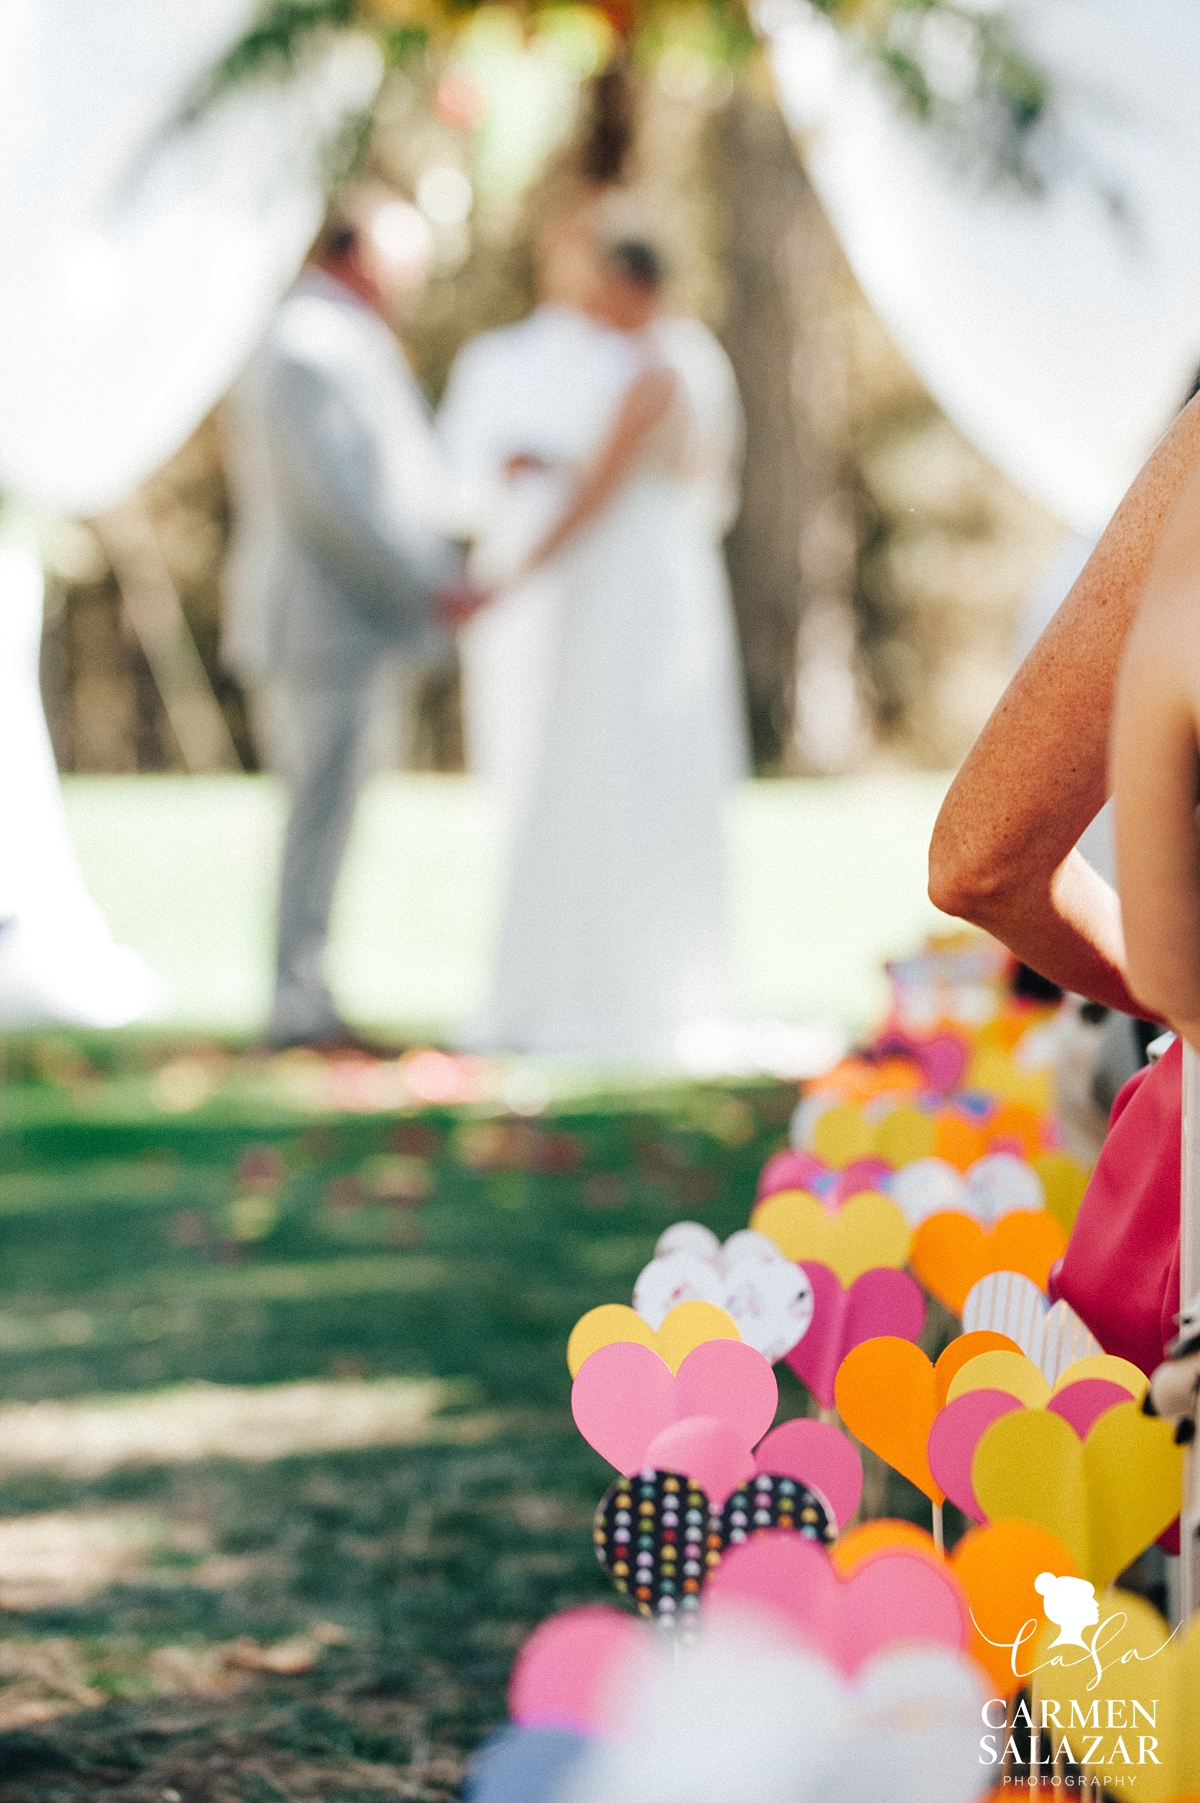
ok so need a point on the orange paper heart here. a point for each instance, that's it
(872, 1538)
(996, 1566)
(962, 1350)
(886, 1394)
(952, 1251)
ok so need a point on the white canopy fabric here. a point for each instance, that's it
(143, 251)
(1059, 339)
(143, 254)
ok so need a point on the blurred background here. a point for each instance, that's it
(879, 561)
(287, 1470)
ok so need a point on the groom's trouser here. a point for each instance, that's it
(328, 744)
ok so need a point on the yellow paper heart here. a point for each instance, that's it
(1107, 1366)
(688, 1325)
(1105, 1498)
(905, 1135)
(1011, 1372)
(1064, 1183)
(867, 1232)
(1160, 1738)
(843, 1134)
(1020, 1377)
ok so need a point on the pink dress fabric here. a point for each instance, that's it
(1120, 1271)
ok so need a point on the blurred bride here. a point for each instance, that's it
(602, 692)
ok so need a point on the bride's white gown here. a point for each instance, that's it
(603, 697)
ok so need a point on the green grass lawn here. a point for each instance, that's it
(828, 880)
(235, 1235)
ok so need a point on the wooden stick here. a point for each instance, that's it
(939, 1535)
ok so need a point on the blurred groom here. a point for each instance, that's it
(340, 558)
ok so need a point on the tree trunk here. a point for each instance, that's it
(792, 554)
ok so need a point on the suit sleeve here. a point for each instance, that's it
(349, 499)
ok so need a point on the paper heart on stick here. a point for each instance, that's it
(997, 1567)
(793, 1170)
(879, 1302)
(624, 1395)
(887, 1396)
(1002, 1370)
(1011, 1303)
(690, 1325)
(951, 1252)
(866, 1233)
(748, 1715)
(767, 1296)
(562, 1674)
(962, 1350)
(812, 1453)
(927, 1186)
(889, 1393)
(1000, 1184)
(857, 1178)
(990, 1386)
(888, 1601)
(1106, 1498)
(993, 1186)
(871, 1539)
(954, 1437)
(815, 1453)
(712, 1454)
(1082, 1404)
(660, 1537)
(1022, 1378)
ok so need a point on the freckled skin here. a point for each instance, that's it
(1002, 852)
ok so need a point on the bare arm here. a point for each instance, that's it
(644, 404)
(1156, 777)
(1002, 852)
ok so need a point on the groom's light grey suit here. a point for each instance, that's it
(335, 560)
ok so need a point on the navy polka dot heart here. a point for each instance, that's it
(658, 1537)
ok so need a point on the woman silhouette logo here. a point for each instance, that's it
(1070, 1603)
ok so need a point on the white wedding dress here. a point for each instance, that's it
(602, 698)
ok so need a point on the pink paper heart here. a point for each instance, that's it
(564, 1674)
(894, 1599)
(863, 1174)
(961, 1425)
(708, 1451)
(944, 1059)
(624, 1396)
(1082, 1403)
(817, 1454)
(956, 1432)
(792, 1170)
(878, 1303)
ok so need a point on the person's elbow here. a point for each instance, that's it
(961, 883)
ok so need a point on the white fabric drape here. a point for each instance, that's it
(144, 252)
(1061, 340)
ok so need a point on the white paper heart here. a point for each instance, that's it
(769, 1297)
(1001, 1184)
(688, 1236)
(998, 1184)
(1006, 1302)
(927, 1186)
(744, 1717)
